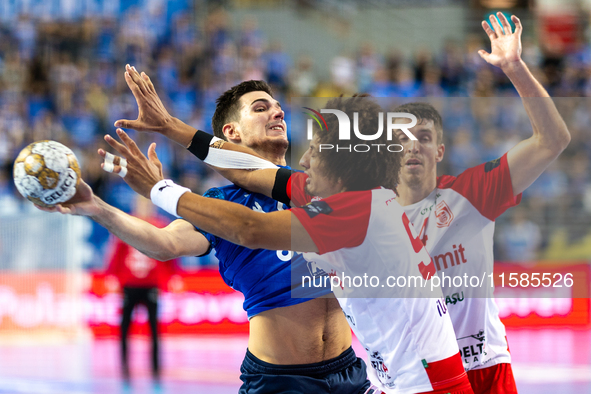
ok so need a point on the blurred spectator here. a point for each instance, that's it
(519, 240)
(63, 79)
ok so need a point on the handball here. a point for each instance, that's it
(46, 173)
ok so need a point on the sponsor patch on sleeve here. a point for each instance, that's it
(317, 207)
(491, 165)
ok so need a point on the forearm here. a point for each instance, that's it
(145, 237)
(179, 132)
(549, 128)
(236, 223)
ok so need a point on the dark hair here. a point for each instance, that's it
(359, 170)
(227, 107)
(424, 111)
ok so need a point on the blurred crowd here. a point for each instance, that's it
(63, 80)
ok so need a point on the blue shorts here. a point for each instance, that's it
(345, 374)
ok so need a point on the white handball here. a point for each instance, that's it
(46, 173)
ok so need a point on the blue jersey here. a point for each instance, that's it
(265, 277)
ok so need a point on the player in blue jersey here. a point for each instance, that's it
(296, 345)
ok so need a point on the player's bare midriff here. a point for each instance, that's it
(306, 333)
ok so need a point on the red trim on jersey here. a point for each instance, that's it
(448, 374)
(497, 379)
(296, 189)
(341, 222)
(490, 192)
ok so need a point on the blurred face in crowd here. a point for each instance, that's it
(261, 125)
(419, 163)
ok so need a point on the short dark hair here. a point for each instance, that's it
(359, 170)
(424, 111)
(227, 107)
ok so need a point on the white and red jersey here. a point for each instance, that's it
(409, 340)
(456, 223)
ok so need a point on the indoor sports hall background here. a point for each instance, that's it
(61, 78)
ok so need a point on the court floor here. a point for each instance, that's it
(544, 361)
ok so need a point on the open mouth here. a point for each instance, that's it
(278, 127)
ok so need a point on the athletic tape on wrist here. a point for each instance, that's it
(166, 194)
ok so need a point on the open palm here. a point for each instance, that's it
(505, 44)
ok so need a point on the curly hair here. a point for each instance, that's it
(227, 105)
(359, 170)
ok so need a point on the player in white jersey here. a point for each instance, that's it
(455, 216)
(351, 226)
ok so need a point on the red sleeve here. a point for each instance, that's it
(339, 221)
(296, 189)
(487, 186)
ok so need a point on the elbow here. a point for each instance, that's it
(161, 255)
(566, 140)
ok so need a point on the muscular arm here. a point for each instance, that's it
(528, 159)
(177, 239)
(240, 225)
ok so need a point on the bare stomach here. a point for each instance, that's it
(306, 333)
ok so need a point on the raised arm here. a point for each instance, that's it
(528, 159)
(152, 115)
(228, 220)
(177, 239)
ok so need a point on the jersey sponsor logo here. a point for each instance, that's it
(454, 298)
(377, 362)
(315, 270)
(430, 207)
(441, 307)
(315, 208)
(474, 352)
(444, 215)
(491, 165)
(454, 257)
(214, 193)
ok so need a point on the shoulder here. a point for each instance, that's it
(215, 192)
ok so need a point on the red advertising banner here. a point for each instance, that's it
(543, 295)
(201, 303)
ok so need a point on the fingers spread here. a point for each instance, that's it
(495, 25)
(122, 149)
(518, 25)
(128, 142)
(505, 23)
(487, 29)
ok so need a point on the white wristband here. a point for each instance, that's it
(166, 194)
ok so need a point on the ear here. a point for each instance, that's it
(232, 132)
(440, 153)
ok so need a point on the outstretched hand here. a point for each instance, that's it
(142, 172)
(83, 203)
(152, 114)
(505, 44)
